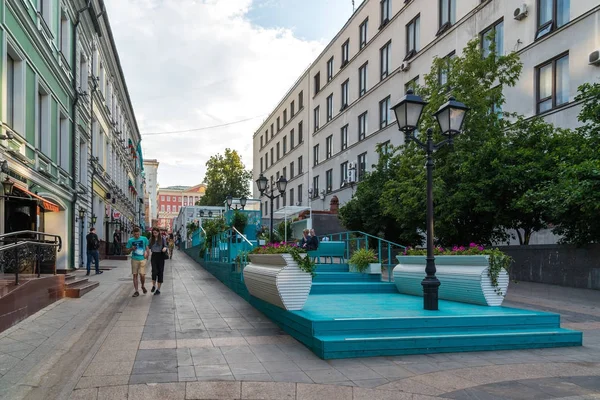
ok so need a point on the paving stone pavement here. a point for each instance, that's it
(199, 340)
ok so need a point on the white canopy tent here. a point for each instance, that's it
(291, 211)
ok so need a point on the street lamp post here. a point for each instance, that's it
(263, 185)
(81, 218)
(450, 117)
(243, 201)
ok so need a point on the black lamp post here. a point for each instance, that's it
(243, 201)
(81, 218)
(94, 219)
(263, 185)
(8, 185)
(450, 118)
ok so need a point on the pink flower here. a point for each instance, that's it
(472, 244)
(461, 248)
(480, 248)
(454, 248)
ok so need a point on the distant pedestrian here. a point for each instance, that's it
(305, 239)
(314, 240)
(158, 246)
(93, 244)
(117, 242)
(139, 246)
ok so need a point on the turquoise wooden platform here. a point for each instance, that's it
(384, 324)
(355, 315)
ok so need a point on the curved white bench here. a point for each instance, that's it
(276, 279)
(463, 278)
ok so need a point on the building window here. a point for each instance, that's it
(330, 69)
(329, 180)
(553, 83)
(291, 196)
(317, 79)
(384, 58)
(345, 94)
(272, 131)
(316, 116)
(266, 160)
(284, 117)
(362, 166)
(447, 12)
(329, 107)
(65, 37)
(261, 165)
(292, 170)
(284, 145)
(362, 80)
(261, 141)
(299, 194)
(64, 144)
(315, 154)
(316, 186)
(83, 73)
(300, 167)
(343, 174)
(162, 198)
(300, 100)
(384, 112)
(284, 172)
(168, 209)
(278, 124)
(272, 157)
(443, 72)
(362, 126)
(345, 53)
(385, 12)
(300, 132)
(162, 208)
(552, 14)
(278, 152)
(344, 137)
(413, 37)
(329, 146)
(497, 32)
(292, 139)
(362, 35)
(10, 91)
(45, 11)
(43, 122)
(413, 85)
(292, 109)
(168, 198)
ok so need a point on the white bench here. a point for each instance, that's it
(463, 279)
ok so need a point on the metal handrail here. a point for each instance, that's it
(365, 234)
(243, 236)
(57, 239)
(15, 245)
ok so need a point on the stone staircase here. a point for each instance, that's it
(75, 287)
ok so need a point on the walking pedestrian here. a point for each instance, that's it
(93, 244)
(314, 240)
(171, 243)
(139, 246)
(158, 247)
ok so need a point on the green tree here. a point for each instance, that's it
(574, 196)
(225, 175)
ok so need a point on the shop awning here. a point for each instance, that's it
(45, 204)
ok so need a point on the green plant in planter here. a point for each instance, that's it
(239, 221)
(362, 258)
(304, 262)
(498, 260)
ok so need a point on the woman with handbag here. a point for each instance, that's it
(158, 246)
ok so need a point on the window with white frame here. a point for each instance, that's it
(316, 117)
(345, 100)
(83, 162)
(344, 137)
(63, 142)
(316, 186)
(345, 53)
(45, 11)
(329, 146)
(362, 35)
(43, 121)
(65, 36)
(343, 173)
(329, 180)
(10, 91)
(330, 69)
(362, 80)
(362, 126)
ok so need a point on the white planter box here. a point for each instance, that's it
(373, 268)
(463, 278)
(261, 242)
(276, 279)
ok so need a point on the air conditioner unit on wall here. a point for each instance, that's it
(520, 12)
(404, 66)
(594, 58)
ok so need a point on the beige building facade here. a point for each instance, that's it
(323, 135)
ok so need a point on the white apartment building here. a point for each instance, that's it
(323, 135)
(151, 170)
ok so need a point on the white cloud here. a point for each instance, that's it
(191, 64)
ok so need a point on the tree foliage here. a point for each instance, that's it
(225, 175)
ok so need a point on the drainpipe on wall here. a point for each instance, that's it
(74, 130)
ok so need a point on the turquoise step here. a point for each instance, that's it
(345, 346)
(346, 277)
(352, 287)
(332, 268)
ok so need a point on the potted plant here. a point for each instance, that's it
(364, 261)
(470, 274)
(239, 221)
(280, 274)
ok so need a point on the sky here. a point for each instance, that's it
(193, 64)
